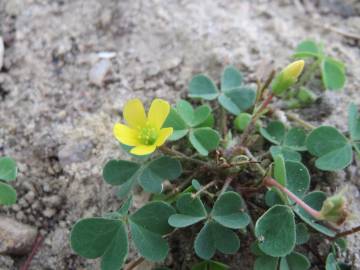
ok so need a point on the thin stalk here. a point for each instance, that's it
(204, 188)
(303, 123)
(226, 185)
(223, 122)
(135, 263)
(308, 75)
(257, 164)
(256, 115)
(270, 182)
(172, 152)
(345, 233)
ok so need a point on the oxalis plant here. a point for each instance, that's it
(220, 163)
(8, 173)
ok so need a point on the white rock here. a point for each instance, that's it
(15, 237)
(2, 49)
(99, 71)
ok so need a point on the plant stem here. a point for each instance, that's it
(345, 233)
(172, 152)
(307, 76)
(270, 182)
(223, 122)
(226, 185)
(135, 263)
(256, 115)
(257, 164)
(300, 121)
(38, 241)
(204, 188)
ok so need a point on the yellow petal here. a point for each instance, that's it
(142, 150)
(159, 111)
(126, 135)
(164, 133)
(134, 113)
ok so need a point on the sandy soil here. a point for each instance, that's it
(57, 125)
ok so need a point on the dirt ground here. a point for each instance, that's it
(58, 126)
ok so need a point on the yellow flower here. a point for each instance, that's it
(143, 132)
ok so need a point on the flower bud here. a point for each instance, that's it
(287, 77)
(334, 209)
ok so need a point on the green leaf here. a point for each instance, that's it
(185, 110)
(308, 48)
(7, 194)
(306, 96)
(124, 209)
(331, 147)
(295, 139)
(302, 234)
(298, 178)
(191, 211)
(156, 223)
(8, 169)
(280, 170)
(294, 261)
(159, 169)
(275, 231)
(274, 132)
(230, 79)
(178, 124)
(214, 237)
(333, 74)
(288, 154)
(125, 190)
(266, 263)
(315, 200)
(228, 211)
(242, 121)
(201, 114)
(196, 185)
(273, 197)
(354, 122)
(117, 172)
(210, 265)
(331, 263)
(341, 243)
(203, 87)
(237, 100)
(192, 117)
(150, 245)
(147, 229)
(204, 140)
(99, 237)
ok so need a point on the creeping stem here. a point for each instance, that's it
(270, 182)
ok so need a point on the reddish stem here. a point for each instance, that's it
(270, 182)
(37, 243)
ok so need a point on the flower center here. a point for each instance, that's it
(148, 134)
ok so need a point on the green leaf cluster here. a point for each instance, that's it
(196, 124)
(216, 234)
(287, 142)
(233, 95)
(107, 237)
(149, 175)
(8, 173)
(332, 70)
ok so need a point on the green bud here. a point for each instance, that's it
(287, 77)
(242, 121)
(334, 209)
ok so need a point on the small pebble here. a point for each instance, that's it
(2, 49)
(99, 71)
